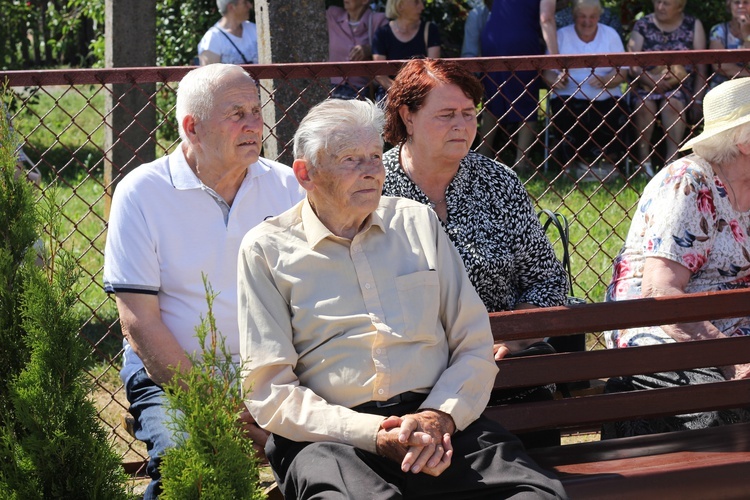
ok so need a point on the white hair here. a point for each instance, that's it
(327, 127)
(578, 4)
(198, 88)
(222, 5)
(722, 148)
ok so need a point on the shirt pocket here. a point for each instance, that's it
(419, 296)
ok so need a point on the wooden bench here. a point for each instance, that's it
(705, 464)
(712, 463)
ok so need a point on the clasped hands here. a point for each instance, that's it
(421, 441)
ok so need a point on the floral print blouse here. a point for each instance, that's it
(654, 39)
(685, 216)
(494, 227)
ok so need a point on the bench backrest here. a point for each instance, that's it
(602, 364)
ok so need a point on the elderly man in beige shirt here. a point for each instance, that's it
(368, 353)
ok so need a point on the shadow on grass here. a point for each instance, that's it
(104, 336)
(66, 164)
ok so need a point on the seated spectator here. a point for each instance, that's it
(481, 203)
(233, 39)
(475, 23)
(689, 234)
(666, 92)
(586, 105)
(405, 36)
(733, 34)
(556, 14)
(178, 219)
(350, 34)
(369, 352)
(512, 97)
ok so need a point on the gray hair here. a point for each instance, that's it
(578, 4)
(222, 5)
(326, 129)
(197, 91)
(722, 147)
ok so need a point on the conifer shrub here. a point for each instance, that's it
(213, 459)
(52, 444)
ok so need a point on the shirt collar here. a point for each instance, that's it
(315, 231)
(183, 176)
(343, 17)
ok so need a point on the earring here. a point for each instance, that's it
(410, 139)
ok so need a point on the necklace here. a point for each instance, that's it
(401, 30)
(431, 203)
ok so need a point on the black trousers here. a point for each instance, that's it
(589, 128)
(488, 462)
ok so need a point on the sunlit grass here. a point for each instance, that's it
(599, 216)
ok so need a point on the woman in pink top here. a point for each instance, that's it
(350, 32)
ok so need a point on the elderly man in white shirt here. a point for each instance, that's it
(369, 354)
(178, 219)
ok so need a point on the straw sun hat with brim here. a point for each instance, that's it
(726, 106)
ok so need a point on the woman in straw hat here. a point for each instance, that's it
(690, 234)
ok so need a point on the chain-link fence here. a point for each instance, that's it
(585, 158)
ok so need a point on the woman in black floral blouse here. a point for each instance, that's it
(431, 116)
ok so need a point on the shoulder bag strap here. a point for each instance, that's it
(369, 29)
(244, 59)
(426, 36)
(561, 224)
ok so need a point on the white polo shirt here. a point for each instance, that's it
(606, 41)
(166, 229)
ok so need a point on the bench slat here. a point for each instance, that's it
(723, 481)
(707, 465)
(570, 367)
(565, 320)
(590, 410)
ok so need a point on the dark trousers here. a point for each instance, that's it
(488, 462)
(590, 128)
(689, 421)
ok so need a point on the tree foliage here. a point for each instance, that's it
(213, 459)
(42, 33)
(52, 444)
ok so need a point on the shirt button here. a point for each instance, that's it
(378, 351)
(381, 391)
(367, 285)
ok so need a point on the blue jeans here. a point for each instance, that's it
(148, 407)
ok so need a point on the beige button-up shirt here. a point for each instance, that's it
(328, 323)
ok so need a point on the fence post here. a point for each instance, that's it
(130, 41)
(289, 32)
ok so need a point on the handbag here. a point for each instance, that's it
(577, 341)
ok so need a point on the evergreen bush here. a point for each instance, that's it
(213, 459)
(51, 442)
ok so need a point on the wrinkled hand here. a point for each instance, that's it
(436, 457)
(420, 442)
(744, 23)
(597, 81)
(357, 53)
(736, 372)
(500, 350)
(254, 432)
(562, 80)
